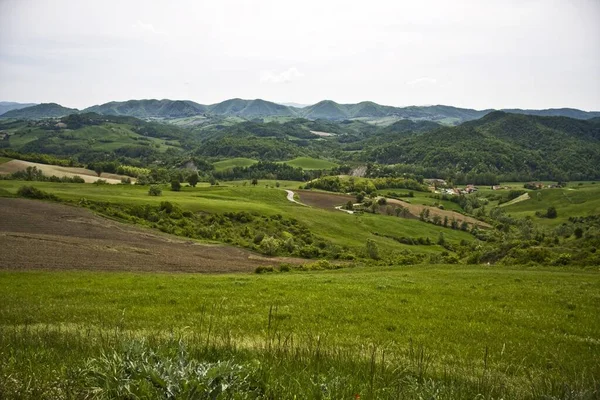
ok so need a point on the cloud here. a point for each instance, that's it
(422, 81)
(289, 75)
(142, 27)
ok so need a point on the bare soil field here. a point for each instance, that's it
(40, 235)
(323, 200)
(87, 174)
(415, 209)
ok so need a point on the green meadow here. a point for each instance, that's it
(309, 163)
(401, 332)
(233, 162)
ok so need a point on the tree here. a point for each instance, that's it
(446, 221)
(349, 205)
(372, 249)
(360, 197)
(98, 170)
(551, 212)
(441, 239)
(254, 182)
(193, 179)
(154, 190)
(382, 201)
(175, 185)
(578, 232)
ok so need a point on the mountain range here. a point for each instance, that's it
(252, 109)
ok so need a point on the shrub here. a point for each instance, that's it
(269, 246)
(175, 186)
(154, 190)
(31, 192)
(372, 249)
(551, 212)
(261, 269)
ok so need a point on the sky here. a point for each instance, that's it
(474, 54)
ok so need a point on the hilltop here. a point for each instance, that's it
(45, 110)
(6, 106)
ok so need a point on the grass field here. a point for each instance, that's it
(4, 160)
(419, 332)
(574, 200)
(339, 228)
(310, 163)
(233, 162)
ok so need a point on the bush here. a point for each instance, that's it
(261, 269)
(551, 212)
(31, 192)
(154, 190)
(372, 249)
(175, 186)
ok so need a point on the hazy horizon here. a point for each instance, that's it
(497, 54)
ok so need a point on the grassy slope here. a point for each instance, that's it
(233, 162)
(574, 200)
(533, 322)
(4, 160)
(105, 137)
(310, 163)
(339, 227)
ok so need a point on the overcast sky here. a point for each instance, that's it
(476, 54)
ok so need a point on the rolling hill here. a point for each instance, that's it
(150, 108)
(522, 146)
(252, 109)
(40, 111)
(6, 106)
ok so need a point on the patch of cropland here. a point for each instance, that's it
(41, 235)
(413, 333)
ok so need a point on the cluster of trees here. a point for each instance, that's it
(35, 174)
(267, 170)
(366, 185)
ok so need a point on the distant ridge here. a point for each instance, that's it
(44, 110)
(6, 106)
(258, 108)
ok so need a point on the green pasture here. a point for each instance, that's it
(233, 162)
(455, 331)
(310, 163)
(573, 201)
(4, 160)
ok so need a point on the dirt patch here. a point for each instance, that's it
(87, 174)
(415, 210)
(523, 197)
(324, 200)
(322, 134)
(40, 235)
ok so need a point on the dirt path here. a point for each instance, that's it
(290, 197)
(40, 235)
(87, 174)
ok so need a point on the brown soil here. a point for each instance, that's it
(87, 174)
(40, 235)
(416, 209)
(323, 200)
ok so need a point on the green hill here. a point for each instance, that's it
(40, 111)
(250, 108)
(150, 108)
(6, 106)
(326, 109)
(515, 146)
